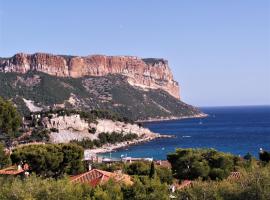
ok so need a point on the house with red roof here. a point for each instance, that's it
(12, 170)
(96, 177)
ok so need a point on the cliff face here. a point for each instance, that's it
(73, 127)
(144, 73)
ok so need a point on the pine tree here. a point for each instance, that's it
(152, 170)
(10, 120)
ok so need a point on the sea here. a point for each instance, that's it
(237, 130)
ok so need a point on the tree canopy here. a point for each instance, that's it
(205, 163)
(50, 160)
(10, 119)
(264, 156)
(4, 159)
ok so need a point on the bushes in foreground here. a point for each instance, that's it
(51, 160)
(56, 160)
(264, 156)
(254, 185)
(204, 163)
(10, 120)
(43, 189)
(4, 158)
(140, 168)
(61, 189)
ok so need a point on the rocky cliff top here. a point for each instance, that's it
(148, 73)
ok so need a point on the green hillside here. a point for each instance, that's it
(109, 92)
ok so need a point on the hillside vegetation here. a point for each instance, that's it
(111, 92)
(150, 182)
(10, 121)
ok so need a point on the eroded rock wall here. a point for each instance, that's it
(144, 73)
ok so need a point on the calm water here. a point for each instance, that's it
(237, 130)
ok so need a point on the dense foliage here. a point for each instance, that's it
(50, 160)
(90, 116)
(141, 169)
(138, 168)
(61, 189)
(205, 163)
(253, 185)
(35, 188)
(37, 135)
(115, 137)
(152, 172)
(10, 119)
(150, 181)
(4, 158)
(111, 92)
(264, 156)
(105, 138)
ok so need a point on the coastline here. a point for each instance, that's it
(112, 147)
(201, 115)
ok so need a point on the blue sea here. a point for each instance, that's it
(237, 130)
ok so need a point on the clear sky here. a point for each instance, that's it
(219, 50)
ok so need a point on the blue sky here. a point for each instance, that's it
(219, 51)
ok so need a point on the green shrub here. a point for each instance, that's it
(92, 130)
(131, 102)
(10, 120)
(4, 158)
(50, 160)
(252, 185)
(264, 156)
(38, 135)
(42, 189)
(138, 168)
(105, 138)
(204, 163)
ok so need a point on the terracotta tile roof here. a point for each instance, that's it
(234, 176)
(96, 177)
(184, 184)
(13, 170)
(163, 163)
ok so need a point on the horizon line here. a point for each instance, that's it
(250, 105)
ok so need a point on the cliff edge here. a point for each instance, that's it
(148, 73)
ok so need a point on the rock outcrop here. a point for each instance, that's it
(147, 73)
(73, 127)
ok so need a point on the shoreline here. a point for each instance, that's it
(202, 115)
(112, 147)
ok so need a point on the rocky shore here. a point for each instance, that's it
(112, 147)
(201, 115)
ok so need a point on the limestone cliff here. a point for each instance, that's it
(144, 73)
(73, 127)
